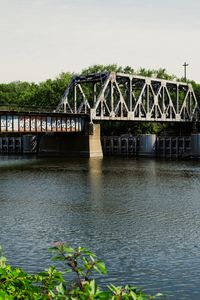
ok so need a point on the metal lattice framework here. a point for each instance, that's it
(118, 96)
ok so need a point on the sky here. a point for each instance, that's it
(39, 39)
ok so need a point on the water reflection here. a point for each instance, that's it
(95, 178)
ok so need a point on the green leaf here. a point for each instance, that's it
(133, 295)
(101, 266)
(60, 289)
(5, 296)
(2, 262)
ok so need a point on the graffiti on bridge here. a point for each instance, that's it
(31, 123)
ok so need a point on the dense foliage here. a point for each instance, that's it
(52, 284)
(48, 93)
(45, 94)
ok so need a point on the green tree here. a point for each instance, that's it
(49, 92)
(102, 68)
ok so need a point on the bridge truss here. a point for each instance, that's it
(118, 96)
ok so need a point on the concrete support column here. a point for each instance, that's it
(95, 148)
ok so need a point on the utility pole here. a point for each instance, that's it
(185, 65)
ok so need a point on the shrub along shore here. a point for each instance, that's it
(51, 284)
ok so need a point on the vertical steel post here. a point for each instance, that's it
(111, 97)
(94, 94)
(147, 98)
(177, 99)
(185, 65)
(130, 95)
(75, 98)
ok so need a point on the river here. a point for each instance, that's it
(141, 216)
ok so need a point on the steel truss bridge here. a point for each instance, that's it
(118, 96)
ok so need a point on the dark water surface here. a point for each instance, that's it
(141, 216)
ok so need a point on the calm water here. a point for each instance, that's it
(141, 216)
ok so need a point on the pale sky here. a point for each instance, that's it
(41, 38)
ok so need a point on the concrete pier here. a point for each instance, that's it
(94, 139)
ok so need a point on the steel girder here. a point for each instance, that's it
(118, 96)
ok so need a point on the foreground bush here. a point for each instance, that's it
(52, 284)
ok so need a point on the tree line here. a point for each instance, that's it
(48, 93)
